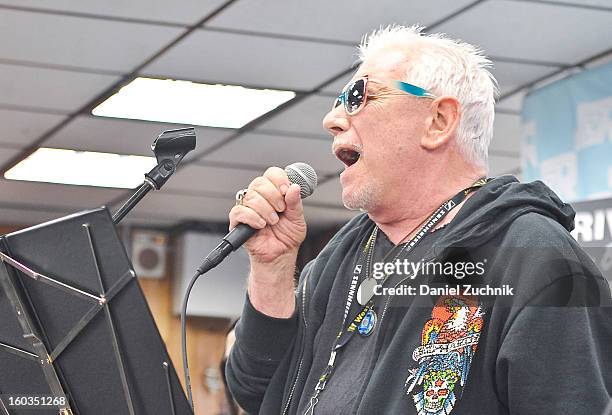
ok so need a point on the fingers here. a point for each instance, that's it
(266, 197)
(246, 215)
(279, 178)
(295, 209)
(262, 200)
(272, 186)
(256, 201)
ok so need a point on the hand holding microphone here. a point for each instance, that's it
(270, 220)
(272, 208)
(272, 194)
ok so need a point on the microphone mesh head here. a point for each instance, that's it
(303, 175)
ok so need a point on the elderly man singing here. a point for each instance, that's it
(412, 128)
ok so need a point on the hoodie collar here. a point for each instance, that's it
(494, 207)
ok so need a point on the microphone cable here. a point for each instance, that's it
(300, 173)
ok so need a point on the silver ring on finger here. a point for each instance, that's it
(240, 194)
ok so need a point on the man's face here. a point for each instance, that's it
(386, 134)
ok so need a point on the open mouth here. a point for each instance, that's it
(347, 155)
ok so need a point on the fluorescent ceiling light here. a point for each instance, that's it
(185, 102)
(88, 168)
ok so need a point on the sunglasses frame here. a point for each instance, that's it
(411, 89)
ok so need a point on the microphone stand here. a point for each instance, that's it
(169, 147)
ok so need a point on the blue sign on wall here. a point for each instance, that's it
(567, 135)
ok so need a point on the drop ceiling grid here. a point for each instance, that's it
(283, 122)
(220, 14)
(49, 89)
(340, 20)
(200, 180)
(602, 4)
(183, 12)
(254, 60)
(54, 195)
(114, 135)
(190, 207)
(20, 128)
(304, 117)
(27, 215)
(92, 192)
(185, 207)
(264, 150)
(81, 42)
(534, 31)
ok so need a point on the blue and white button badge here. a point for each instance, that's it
(367, 324)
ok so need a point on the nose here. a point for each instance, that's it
(336, 121)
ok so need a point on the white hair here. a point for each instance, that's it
(445, 66)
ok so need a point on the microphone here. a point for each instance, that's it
(299, 173)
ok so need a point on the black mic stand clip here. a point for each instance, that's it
(169, 147)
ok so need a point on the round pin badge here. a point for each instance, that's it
(365, 292)
(368, 323)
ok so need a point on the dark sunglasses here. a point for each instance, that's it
(355, 94)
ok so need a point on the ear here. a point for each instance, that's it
(445, 114)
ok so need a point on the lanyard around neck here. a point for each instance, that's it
(348, 329)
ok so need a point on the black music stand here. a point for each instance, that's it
(75, 324)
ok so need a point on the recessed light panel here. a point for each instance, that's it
(191, 103)
(87, 168)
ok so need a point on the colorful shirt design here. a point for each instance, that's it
(448, 343)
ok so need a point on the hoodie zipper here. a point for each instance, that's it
(373, 364)
(297, 376)
(382, 317)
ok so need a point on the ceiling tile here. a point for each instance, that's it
(345, 20)
(596, 3)
(305, 117)
(7, 154)
(13, 215)
(512, 75)
(26, 217)
(334, 88)
(535, 31)
(48, 194)
(108, 45)
(181, 11)
(50, 88)
(22, 128)
(184, 207)
(264, 150)
(216, 209)
(207, 181)
(112, 135)
(503, 165)
(212, 56)
(506, 134)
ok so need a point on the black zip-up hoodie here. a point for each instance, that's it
(546, 349)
